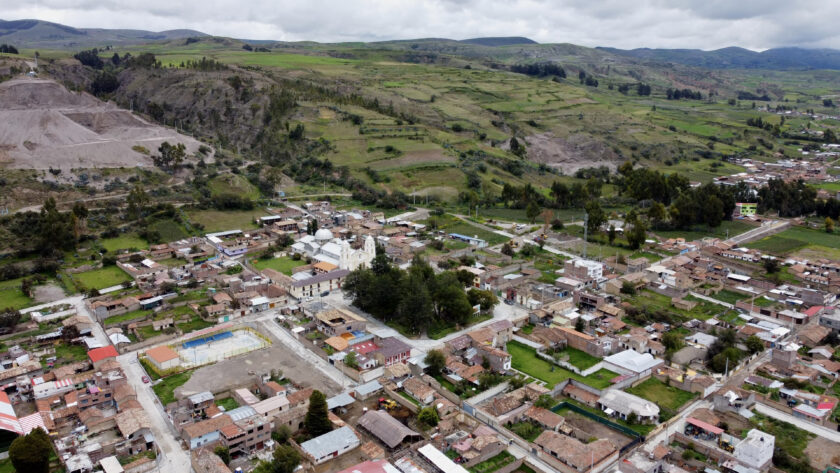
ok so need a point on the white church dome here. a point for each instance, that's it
(323, 235)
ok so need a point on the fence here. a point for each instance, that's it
(624, 430)
(525, 341)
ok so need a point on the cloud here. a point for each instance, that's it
(706, 24)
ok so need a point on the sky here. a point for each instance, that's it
(695, 24)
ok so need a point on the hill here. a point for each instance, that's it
(48, 127)
(44, 34)
(499, 41)
(740, 58)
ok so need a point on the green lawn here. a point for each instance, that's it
(196, 323)
(284, 265)
(12, 296)
(118, 319)
(492, 464)
(408, 396)
(735, 227)
(789, 438)
(124, 242)
(101, 278)
(526, 361)
(579, 359)
(665, 396)
(795, 238)
(219, 220)
(526, 430)
(233, 184)
(437, 332)
(165, 389)
(169, 230)
(730, 297)
(228, 403)
(70, 353)
(6, 466)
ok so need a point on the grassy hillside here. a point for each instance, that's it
(435, 117)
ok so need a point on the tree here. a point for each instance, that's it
(656, 214)
(713, 211)
(771, 265)
(545, 401)
(632, 418)
(170, 156)
(483, 298)
(31, 452)
(436, 361)
(532, 211)
(223, 453)
(636, 236)
(580, 324)
(317, 420)
(611, 234)
(516, 147)
(628, 288)
(55, 230)
(311, 226)
(673, 341)
(507, 249)
(137, 199)
(428, 416)
(754, 344)
(596, 218)
(829, 225)
(281, 434)
(284, 460)
(350, 360)
(9, 317)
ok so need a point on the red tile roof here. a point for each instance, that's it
(99, 354)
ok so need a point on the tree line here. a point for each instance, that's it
(539, 69)
(416, 298)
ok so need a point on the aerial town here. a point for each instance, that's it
(419, 237)
(203, 360)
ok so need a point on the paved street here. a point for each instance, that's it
(823, 432)
(172, 458)
(423, 345)
(289, 341)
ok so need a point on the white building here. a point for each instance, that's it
(620, 404)
(632, 363)
(323, 247)
(755, 451)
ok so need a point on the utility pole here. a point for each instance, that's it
(585, 232)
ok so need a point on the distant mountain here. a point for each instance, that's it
(44, 34)
(740, 58)
(499, 41)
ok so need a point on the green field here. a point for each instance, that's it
(218, 220)
(284, 265)
(228, 403)
(169, 230)
(118, 319)
(165, 388)
(492, 464)
(101, 278)
(730, 297)
(579, 359)
(124, 242)
(233, 184)
(735, 227)
(12, 296)
(524, 359)
(665, 396)
(796, 238)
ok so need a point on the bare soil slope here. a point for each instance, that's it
(43, 125)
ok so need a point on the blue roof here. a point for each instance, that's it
(368, 388)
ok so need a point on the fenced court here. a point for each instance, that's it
(219, 346)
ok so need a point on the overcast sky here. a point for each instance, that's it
(704, 24)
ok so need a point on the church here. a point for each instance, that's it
(324, 247)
